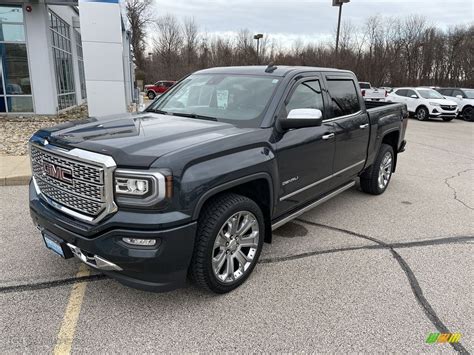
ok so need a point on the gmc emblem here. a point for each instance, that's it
(57, 172)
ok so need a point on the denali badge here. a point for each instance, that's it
(57, 172)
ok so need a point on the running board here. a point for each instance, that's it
(312, 205)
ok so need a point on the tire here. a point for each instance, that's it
(422, 113)
(447, 119)
(220, 263)
(468, 114)
(151, 95)
(375, 181)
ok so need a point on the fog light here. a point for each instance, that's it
(140, 242)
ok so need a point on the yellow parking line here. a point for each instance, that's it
(71, 315)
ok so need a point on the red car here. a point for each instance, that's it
(158, 88)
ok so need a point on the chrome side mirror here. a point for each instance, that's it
(302, 117)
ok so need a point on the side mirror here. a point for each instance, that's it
(302, 117)
(414, 96)
(459, 97)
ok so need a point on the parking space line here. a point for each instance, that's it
(71, 315)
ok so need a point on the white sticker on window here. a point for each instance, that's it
(222, 98)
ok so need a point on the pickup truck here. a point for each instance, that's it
(370, 93)
(158, 88)
(193, 186)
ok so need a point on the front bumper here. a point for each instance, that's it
(162, 267)
(439, 112)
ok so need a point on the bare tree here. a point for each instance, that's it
(140, 16)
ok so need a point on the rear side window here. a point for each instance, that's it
(401, 92)
(344, 98)
(446, 92)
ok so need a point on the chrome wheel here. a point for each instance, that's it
(385, 170)
(235, 246)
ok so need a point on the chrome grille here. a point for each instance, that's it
(448, 107)
(84, 192)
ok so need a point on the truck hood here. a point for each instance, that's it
(136, 140)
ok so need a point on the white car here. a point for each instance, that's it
(370, 93)
(464, 98)
(425, 103)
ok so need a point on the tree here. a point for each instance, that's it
(140, 16)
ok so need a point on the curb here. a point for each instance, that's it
(15, 180)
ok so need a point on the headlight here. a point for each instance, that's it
(435, 104)
(141, 188)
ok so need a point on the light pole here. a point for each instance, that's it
(258, 37)
(338, 3)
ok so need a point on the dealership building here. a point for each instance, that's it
(55, 55)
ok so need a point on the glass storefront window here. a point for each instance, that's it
(15, 86)
(61, 43)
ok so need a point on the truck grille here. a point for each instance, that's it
(66, 180)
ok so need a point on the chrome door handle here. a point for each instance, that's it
(328, 136)
(364, 126)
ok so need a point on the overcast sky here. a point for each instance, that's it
(287, 20)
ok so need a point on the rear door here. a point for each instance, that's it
(351, 126)
(305, 155)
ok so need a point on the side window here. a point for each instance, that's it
(457, 92)
(344, 98)
(446, 92)
(401, 92)
(306, 95)
(411, 92)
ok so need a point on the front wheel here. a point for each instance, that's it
(422, 113)
(468, 114)
(376, 180)
(229, 241)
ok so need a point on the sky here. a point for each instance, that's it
(308, 20)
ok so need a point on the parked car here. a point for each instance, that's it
(425, 103)
(196, 183)
(158, 88)
(370, 93)
(464, 98)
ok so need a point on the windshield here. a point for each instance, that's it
(430, 94)
(469, 93)
(237, 99)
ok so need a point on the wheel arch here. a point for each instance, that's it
(258, 187)
(392, 138)
(423, 106)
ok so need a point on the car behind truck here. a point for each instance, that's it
(192, 187)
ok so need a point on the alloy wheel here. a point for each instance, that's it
(385, 170)
(235, 246)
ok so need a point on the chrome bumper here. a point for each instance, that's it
(95, 261)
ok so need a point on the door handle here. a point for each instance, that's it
(328, 136)
(364, 126)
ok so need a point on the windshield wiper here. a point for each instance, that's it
(194, 115)
(155, 110)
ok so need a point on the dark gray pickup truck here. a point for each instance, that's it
(193, 186)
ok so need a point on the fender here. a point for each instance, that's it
(230, 184)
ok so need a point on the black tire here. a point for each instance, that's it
(151, 95)
(369, 180)
(468, 114)
(447, 119)
(422, 113)
(212, 218)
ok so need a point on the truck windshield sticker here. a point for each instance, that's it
(222, 98)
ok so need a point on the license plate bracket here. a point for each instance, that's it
(57, 245)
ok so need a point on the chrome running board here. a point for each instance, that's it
(312, 205)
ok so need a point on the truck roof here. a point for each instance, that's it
(281, 70)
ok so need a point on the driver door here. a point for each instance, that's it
(305, 155)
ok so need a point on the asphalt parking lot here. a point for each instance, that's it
(359, 273)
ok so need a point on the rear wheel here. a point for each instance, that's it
(468, 114)
(228, 243)
(376, 180)
(422, 113)
(151, 95)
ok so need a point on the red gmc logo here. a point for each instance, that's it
(57, 172)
